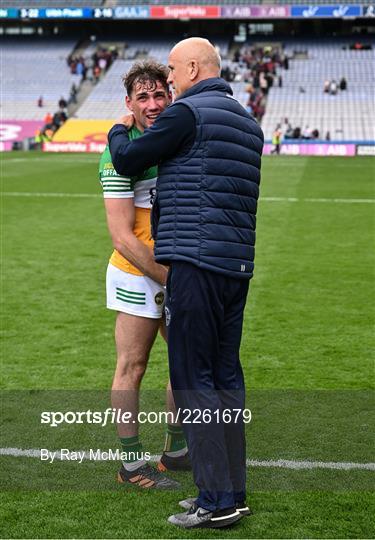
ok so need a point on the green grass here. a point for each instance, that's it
(306, 353)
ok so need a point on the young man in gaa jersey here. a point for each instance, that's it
(136, 283)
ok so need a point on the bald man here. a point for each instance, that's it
(208, 150)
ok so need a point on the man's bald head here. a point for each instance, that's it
(190, 61)
(202, 51)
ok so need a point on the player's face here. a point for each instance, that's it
(178, 76)
(147, 101)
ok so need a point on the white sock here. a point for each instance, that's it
(177, 453)
(134, 465)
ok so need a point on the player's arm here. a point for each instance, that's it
(121, 219)
(173, 131)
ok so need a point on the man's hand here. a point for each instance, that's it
(127, 121)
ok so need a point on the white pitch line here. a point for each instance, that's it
(279, 463)
(265, 199)
(94, 158)
(47, 194)
(303, 465)
(316, 200)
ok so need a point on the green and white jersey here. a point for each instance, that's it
(139, 188)
(116, 186)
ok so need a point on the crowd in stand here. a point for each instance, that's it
(92, 67)
(257, 67)
(285, 131)
(51, 123)
(332, 87)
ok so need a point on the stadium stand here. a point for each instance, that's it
(34, 69)
(350, 114)
(107, 98)
(347, 115)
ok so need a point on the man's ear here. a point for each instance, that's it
(193, 70)
(128, 103)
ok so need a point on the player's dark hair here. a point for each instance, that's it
(146, 73)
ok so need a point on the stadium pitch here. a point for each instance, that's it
(306, 354)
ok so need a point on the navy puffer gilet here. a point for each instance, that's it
(207, 198)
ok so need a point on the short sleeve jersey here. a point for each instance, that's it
(141, 189)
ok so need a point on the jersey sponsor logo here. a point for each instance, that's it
(159, 298)
(109, 172)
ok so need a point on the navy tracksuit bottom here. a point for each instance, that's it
(204, 316)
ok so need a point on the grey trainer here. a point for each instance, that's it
(242, 507)
(197, 517)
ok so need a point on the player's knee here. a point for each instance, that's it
(131, 368)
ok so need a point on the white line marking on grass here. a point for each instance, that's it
(279, 463)
(265, 199)
(316, 200)
(302, 465)
(47, 194)
(65, 159)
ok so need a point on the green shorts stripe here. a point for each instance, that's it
(129, 300)
(139, 295)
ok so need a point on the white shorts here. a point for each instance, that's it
(135, 295)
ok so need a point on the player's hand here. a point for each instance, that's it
(127, 120)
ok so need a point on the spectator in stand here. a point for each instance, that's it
(62, 103)
(97, 72)
(286, 128)
(315, 134)
(80, 68)
(333, 88)
(38, 139)
(73, 94)
(306, 133)
(326, 86)
(73, 65)
(48, 119)
(263, 83)
(328, 136)
(102, 63)
(47, 133)
(58, 119)
(276, 140)
(343, 84)
(40, 101)
(289, 134)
